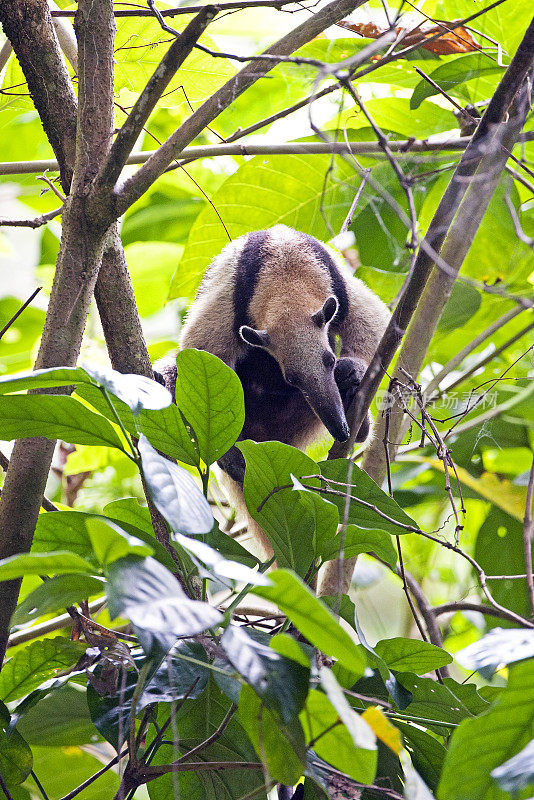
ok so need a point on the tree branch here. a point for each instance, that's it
(135, 186)
(146, 102)
(487, 139)
(36, 222)
(401, 146)
(81, 245)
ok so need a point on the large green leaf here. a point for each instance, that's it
(281, 746)
(312, 618)
(150, 596)
(54, 417)
(136, 391)
(268, 466)
(15, 755)
(281, 683)
(52, 563)
(263, 192)
(484, 743)
(333, 742)
(166, 431)
(457, 71)
(67, 530)
(111, 542)
(55, 594)
(60, 718)
(36, 663)
(412, 655)
(210, 396)
(356, 541)
(174, 492)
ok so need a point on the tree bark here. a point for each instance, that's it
(78, 261)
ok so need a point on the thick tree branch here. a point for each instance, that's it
(487, 138)
(450, 233)
(135, 186)
(146, 102)
(80, 251)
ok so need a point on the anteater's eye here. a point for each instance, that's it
(291, 378)
(329, 359)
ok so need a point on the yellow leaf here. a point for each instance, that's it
(384, 730)
(501, 493)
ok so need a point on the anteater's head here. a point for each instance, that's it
(299, 342)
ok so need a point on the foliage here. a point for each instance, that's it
(161, 665)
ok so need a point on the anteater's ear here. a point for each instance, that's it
(327, 312)
(253, 337)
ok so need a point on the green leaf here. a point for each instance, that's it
(210, 396)
(480, 745)
(435, 701)
(60, 719)
(174, 492)
(15, 756)
(463, 304)
(357, 540)
(312, 618)
(371, 507)
(517, 772)
(282, 684)
(336, 745)
(36, 663)
(284, 644)
(426, 752)
(281, 746)
(268, 466)
(448, 75)
(136, 391)
(151, 265)
(110, 542)
(497, 648)
(166, 431)
(55, 594)
(54, 417)
(150, 596)
(54, 563)
(68, 530)
(412, 655)
(42, 379)
(265, 191)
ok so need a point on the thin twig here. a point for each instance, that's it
(96, 775)
(51, 185)
(36, 222)
(15, 316)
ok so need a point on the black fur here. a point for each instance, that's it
(246, 278)
(338, 284)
